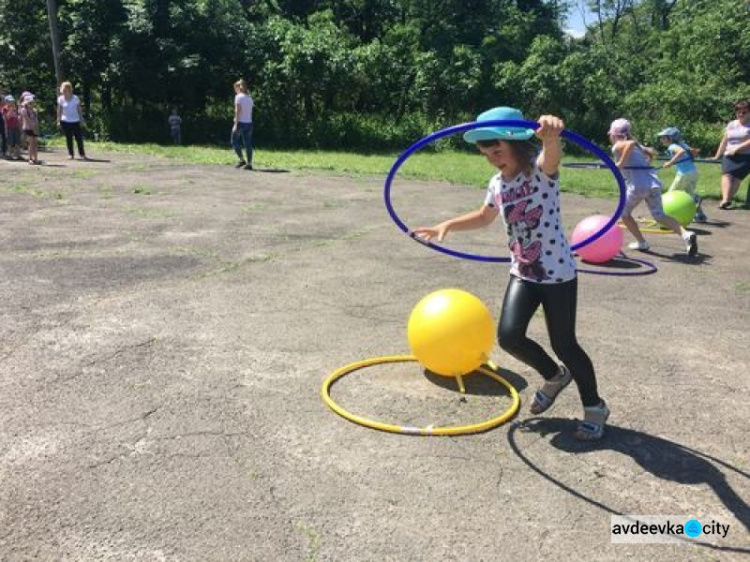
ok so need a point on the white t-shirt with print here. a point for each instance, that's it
(530, 207)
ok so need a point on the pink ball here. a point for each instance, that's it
(603, 248)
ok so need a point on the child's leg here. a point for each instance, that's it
(33, 149)
(633, 228)
(560, 301)
(653, 200)
(657, 211)
(689, 184)
(520, 302)
(632, 200)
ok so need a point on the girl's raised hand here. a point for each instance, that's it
(550, 126)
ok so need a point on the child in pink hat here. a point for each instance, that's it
(634, 161)
(30, 126)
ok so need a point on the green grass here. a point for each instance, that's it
(463, 168)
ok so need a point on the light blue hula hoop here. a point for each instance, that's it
(568, 135)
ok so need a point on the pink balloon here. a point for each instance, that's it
(602, 249)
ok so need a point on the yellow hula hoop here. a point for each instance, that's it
(648, 226)
(407, 430)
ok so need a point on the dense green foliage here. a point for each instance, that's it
(377, 74)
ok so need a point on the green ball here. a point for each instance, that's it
(680, 206)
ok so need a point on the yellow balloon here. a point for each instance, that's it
(451, 332)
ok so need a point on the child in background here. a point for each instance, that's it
(12, 128)
(526, 191)
(634, 160)
(681, 157)
(175, 124)
(30, 126)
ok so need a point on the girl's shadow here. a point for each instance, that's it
(662, 458)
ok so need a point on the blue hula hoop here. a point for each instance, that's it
(568, 135)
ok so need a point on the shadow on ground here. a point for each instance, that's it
(662, 458)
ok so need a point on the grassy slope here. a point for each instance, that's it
(454, 167)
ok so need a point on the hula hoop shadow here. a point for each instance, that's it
(271, 170)
(97, 160)
(568, 135)
(662, 458)
(621, 262)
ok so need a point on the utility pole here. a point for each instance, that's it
(55, 37)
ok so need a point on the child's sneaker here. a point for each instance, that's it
(640, 246)
(691, 244)
(700, 216)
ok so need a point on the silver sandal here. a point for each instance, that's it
(591, 428)
(545, 397)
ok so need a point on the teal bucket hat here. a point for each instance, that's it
(499, 133)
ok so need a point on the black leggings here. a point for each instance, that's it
(559, 301)
(73, 130)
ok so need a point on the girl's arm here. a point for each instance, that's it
(649, 152)
(236, 116)
(59, 112)
(470, 221)
(549, 131)
(80, 113)
(676, 158)
(624, 148)
(734, 149)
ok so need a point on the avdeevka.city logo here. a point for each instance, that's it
(693, 528)
(666, 529)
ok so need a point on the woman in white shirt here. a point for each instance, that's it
(70, 118)
(734, 151)
(242, 130)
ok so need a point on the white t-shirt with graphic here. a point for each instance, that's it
(530, 207)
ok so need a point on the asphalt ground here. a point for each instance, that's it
(166, 329)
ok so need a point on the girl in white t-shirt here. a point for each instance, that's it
(543, 272)
(242, 130)
(70, 118)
